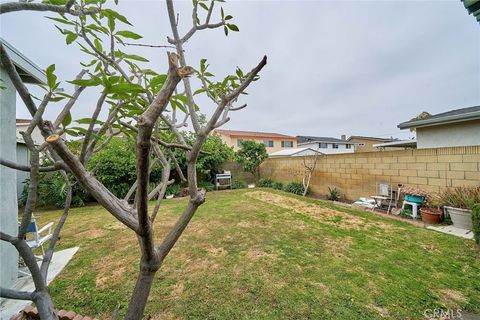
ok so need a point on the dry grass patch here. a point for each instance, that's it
(451, 298)
(383, 312)
(328, 216)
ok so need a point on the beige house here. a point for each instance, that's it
(366, 144)
(272, 141)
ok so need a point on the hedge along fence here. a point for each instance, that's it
(357, 174)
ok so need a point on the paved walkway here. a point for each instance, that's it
(59, 261)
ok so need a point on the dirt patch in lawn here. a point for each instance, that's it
(256, 254)
(217, 252)
(383, 312)
(337, 246)
(328, 216)
(92, 234)
(111, 271)
(451, 298)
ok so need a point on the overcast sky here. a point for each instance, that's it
(339, 67)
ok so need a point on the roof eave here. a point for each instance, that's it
(28, 71)
(438, 121)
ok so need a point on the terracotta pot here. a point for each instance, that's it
(432, 216)
(461, 218)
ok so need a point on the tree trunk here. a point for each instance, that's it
(136, 307)
(44, 305)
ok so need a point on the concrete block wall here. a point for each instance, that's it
(357, 174)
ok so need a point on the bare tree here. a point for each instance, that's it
(142, 103)
(309, 168)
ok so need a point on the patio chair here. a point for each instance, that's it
(35, 237)
(385, 193)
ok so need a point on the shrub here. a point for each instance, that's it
(476, 222)
(52, 191)
(294, 187)
(239, 184)
(251, 155)
(115, 166)
(208, 186)
(265, 183)
(461, 197)
(172, 189)
(333, 194)
(277, 185)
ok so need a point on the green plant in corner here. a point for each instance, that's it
(239, 184)
(295, 188)
(265, 183)
(333, 194)
(277, 185)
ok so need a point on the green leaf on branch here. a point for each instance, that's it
(111, 23)
(116, 15)
(225, 29)
(71, 37)
(158, 81)
(98, 45)
(203, 5)
(56, 99)
(229, 17)
(129, 35)
(51, 78)
(88, 121)
(86, 82)
(125, 88)
(60, 20)
(135, 57)
(67, 120)
(232, 27)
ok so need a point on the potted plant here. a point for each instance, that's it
(430, 211)
(459, 203)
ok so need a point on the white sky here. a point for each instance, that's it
(334, 67)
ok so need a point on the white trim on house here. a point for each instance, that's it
(295, 152)
(398, 144)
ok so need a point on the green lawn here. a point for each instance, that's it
(263, 254)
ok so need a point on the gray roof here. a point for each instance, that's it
(306, 139)
(457, 115)
(473, 7)
(27, 70)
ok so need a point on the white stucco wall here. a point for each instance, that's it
(449, 135)
(8, 190)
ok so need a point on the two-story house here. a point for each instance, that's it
(273, 141)
(326, 145)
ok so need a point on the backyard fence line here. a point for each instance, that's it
(357, 174)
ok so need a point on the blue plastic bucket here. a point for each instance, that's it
(412, 198)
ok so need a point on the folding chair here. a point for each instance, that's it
(36, 238)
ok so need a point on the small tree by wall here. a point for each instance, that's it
(251, 155)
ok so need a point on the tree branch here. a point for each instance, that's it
(14, 294)
(30, 6)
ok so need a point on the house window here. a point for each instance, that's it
(287, 144)
(334, 146)
(268, 143)
(239, 142)
(361, 145)
(323, 145)
(348, 146)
